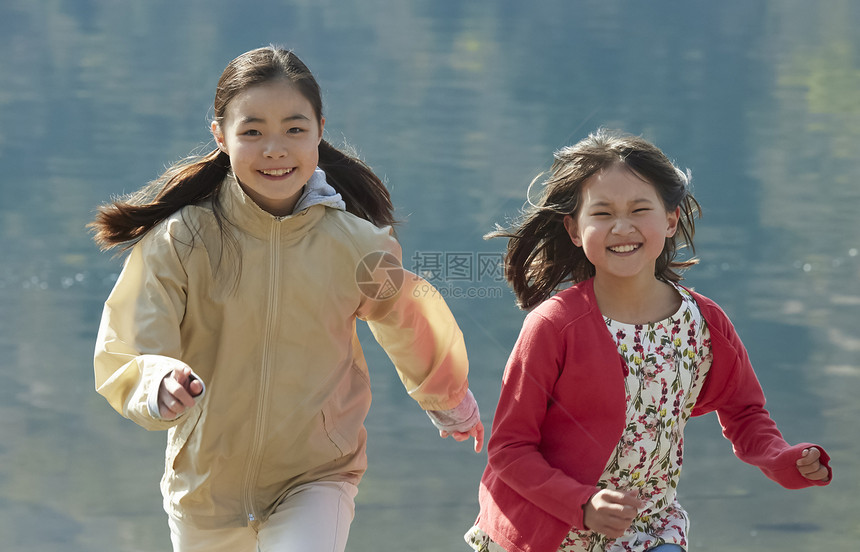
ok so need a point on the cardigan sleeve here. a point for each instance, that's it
(733, 390)
(514, 449)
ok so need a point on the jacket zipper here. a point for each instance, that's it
(255, 457)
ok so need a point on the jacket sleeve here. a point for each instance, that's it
(419, 334)
(514, 450)
(138, 340)
(733, 390)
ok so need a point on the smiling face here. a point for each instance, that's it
(621, 224)
(272, 135)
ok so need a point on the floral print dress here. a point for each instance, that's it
(665, 366)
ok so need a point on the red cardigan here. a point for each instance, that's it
(561, 413)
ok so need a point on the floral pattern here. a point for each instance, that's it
(480, 541)
(665, 364)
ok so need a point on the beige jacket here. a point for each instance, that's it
(273, 338)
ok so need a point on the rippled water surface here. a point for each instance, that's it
(458, 105)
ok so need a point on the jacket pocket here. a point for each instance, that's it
(178, 438)
(331, 431)
(345, 410)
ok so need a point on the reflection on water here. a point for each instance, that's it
(458, 105)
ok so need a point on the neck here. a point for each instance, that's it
(636, 300)
(278, 207)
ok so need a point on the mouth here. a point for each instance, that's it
(626, 248)
(276, 172)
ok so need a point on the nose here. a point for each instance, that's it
(275, 148)
(622, 226)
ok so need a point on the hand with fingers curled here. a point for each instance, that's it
(176, 393)
(477, 431)
(611, 512)
(809, 465)
(461, 422)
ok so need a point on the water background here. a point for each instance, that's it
(458, 105)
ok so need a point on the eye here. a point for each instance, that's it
(642, 210)
(295, 130)
(251, 132)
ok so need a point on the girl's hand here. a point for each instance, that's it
(176, 393)
(610, 513)
(477, 432)
(810, 467)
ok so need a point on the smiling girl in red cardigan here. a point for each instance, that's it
(587, 440)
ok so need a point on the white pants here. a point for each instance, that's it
(313, 518)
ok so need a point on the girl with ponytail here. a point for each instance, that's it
(259, 378)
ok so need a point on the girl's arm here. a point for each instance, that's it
(138, 341)
(514, 449)
(416, 329)
(733, 390)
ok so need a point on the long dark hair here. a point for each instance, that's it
(540, 255)
(124, 221)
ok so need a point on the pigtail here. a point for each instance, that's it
(540, 257)
(363, 192)
(126, 220)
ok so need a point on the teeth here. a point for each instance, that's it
(277, 172)
(623, 248)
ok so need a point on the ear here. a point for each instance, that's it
(322, 126)
(219, 136)
(673, 218)
(572, 230)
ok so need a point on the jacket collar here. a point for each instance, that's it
(243, 212)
